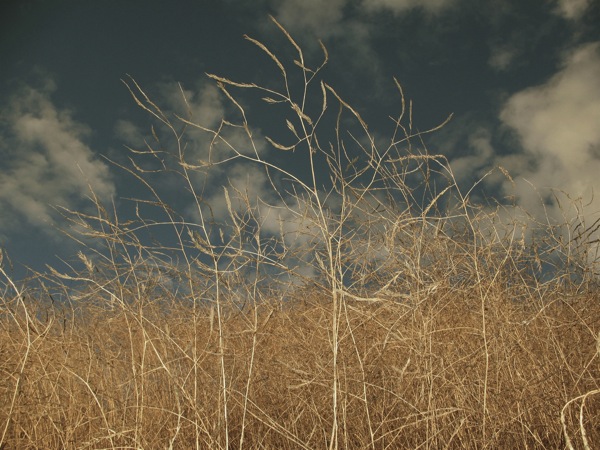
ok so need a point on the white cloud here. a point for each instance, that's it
(202, 105)
(244, 182)
(558, 121)
(309, 20)
(205, 111)
(129, 133)
(326, 19)
(572, 9)
(322, 18)
(558, 126)
(466, 166)
(501, 57)
(250, 189)
(289, 221)
(400, 6)
(48, 162)
(207, 107)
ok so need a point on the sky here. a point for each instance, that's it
(521, 79)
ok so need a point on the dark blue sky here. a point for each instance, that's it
(522, 79)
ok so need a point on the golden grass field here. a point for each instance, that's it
(422, 373)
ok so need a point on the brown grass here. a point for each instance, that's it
(411, 374)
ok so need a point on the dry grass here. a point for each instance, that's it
(389, 311)
(412, 374)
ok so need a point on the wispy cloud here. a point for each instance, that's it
(336, 21)
(572, 9)
(501, 57)
(129, 133)
(203, 103)
(47, 161)
(339, 17)
(321, 18)
(400, 6)
(481, 152)
(213, 132)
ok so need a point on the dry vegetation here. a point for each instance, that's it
(147, 375)
(387, 312)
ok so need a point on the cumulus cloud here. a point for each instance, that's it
(557, 126)
(558, 121)
(47, 162)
